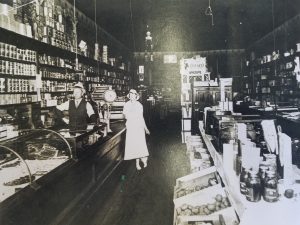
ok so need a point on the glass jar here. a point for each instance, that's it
(271, 160)
(263, 148)
(263, 168)
(270, 187)
(253, 186)
(296, 152)
(243, 180)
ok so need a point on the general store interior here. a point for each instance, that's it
(219, 82)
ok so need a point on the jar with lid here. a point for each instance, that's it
(270, 187)
(253, 186)
(243, 180)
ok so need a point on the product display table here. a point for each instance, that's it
(284, 211)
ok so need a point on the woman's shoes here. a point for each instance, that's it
(138, 167)
(145, 164)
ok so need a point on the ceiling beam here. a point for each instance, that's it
(202, 53)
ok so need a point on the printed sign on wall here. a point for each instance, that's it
(194, 66)
(170, 59)
(141, 69)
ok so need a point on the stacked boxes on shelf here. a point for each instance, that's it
(9, 19)
(52, 25)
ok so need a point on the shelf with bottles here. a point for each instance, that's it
(56, 86)
(57, 76)
(56, 92)
(55, 62)
(59, 68)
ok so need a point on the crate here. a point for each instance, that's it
(184, 206)
(184, 135)
(195, 182)
(207, 220)
(186, 124)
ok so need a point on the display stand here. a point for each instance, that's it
(284, 211)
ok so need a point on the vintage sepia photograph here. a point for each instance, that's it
(149, 112)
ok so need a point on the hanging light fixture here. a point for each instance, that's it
(96, 56)
(209, 12)
(75, 34)
(148, 45)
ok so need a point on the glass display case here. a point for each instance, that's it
(28, 157)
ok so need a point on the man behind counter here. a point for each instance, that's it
(79, 110)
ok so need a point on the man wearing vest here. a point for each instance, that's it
(79, 110)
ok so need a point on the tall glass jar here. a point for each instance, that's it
(253, 186)
(270, 187)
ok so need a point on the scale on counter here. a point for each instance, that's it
(104, 96)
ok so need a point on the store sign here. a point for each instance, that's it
(194, 67)
(170, 59)
(141, 69)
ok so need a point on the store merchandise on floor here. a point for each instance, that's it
(140, 197)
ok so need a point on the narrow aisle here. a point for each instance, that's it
(143, 197)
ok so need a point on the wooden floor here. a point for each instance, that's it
(131, 197)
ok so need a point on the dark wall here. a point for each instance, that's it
(226, 64)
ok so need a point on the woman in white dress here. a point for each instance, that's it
(135, 145)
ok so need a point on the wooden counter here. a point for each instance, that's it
(54, 195)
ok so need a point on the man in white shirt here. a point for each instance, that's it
(79, 110)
